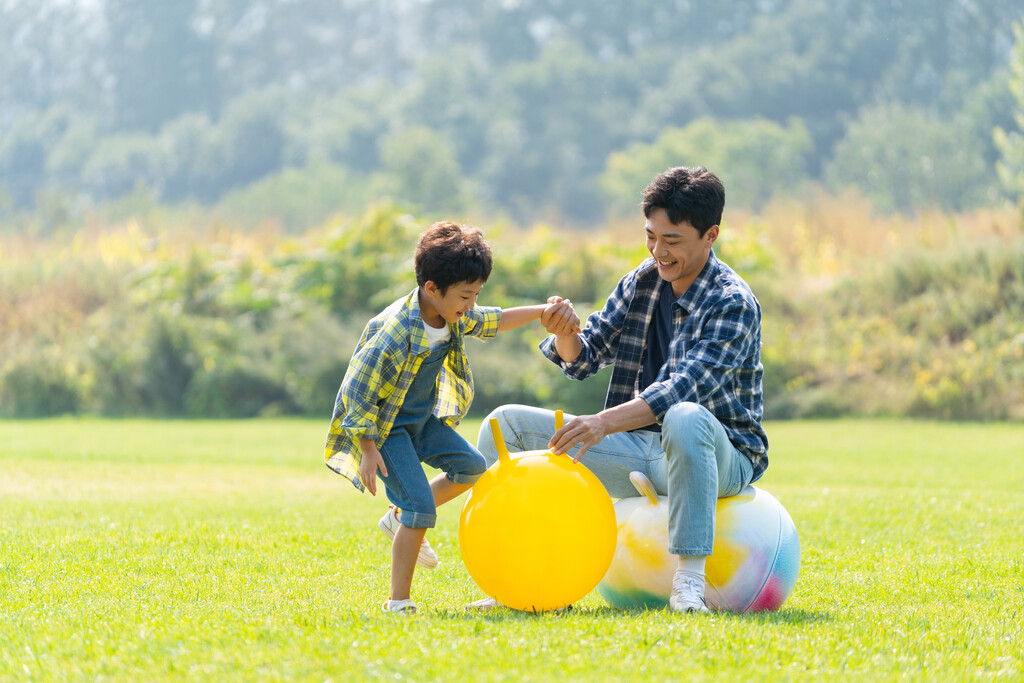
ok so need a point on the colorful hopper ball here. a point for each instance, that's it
(537, 531)
(753, 566)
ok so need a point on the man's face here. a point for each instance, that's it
(456, 301)
(679, 249)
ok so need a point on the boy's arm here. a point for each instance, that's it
(557, 315)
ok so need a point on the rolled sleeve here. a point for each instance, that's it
(482, 322)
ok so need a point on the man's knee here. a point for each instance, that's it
(683, 427)
(485, 439)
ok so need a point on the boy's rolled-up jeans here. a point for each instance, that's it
(691, 461)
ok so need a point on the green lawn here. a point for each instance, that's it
(136, 551)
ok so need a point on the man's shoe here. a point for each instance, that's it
(389, 525)
(399, 606)
(687, 594)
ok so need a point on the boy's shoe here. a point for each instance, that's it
(687, 594)
(389, 525)
(490, 604)
(484, 605)
(399, 606)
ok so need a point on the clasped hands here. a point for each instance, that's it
(560, 318)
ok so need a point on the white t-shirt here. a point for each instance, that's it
(437, 335)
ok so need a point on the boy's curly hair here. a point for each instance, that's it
(448, 254)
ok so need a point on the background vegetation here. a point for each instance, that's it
(201, 203)
(530, 109)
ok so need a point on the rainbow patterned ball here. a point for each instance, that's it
(754, 564)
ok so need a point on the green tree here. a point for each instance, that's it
(904, 158)
(160, 65)
(754, 158)
(420, 167)
(1011, 143)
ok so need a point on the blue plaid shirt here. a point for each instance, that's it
(386, 360)
(714, 358)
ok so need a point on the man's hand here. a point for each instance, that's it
(369, 464)
(585, 430)
(559, 318)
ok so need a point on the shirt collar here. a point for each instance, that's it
(695, 292)
(418, 343)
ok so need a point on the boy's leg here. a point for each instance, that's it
(404, 553)
(443, 448)
(408, 489)
(525, 428)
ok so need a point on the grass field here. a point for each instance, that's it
(137, 551)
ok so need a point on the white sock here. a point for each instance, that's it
(692, 565)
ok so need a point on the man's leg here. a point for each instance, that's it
(525, 428)
(702, 466)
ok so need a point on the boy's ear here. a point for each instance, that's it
(431, 289)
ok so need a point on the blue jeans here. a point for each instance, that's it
(437, 445)
(691, 461)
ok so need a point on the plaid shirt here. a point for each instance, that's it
(386, 360)
(714, 359)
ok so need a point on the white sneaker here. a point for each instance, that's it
(490, 604)
(484, 605)
(399, 606)
(687, 594)
(389, 523)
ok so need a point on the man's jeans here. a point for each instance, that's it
(691, 461)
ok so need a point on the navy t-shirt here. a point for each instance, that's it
(659, 339)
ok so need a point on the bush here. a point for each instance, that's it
(38, 385)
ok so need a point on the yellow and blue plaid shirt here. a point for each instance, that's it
(386, 360)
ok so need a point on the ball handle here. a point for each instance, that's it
(644, 486)
(499, 441)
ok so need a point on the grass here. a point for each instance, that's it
(170, 550)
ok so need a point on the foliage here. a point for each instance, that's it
(758, 158)
(177, 551)
(1011, 143)
(904, 159)
(516, 108)
(183, 314)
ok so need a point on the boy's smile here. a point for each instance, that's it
(438, 309)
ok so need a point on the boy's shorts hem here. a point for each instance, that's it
(417, 520)
(460, 478)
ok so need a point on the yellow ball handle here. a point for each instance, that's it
(559, 420)
(644, 486)
(499, 441)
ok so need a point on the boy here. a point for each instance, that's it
(408, 384)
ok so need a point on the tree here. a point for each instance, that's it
(905, 158)
(420, 167)
(161, 67)
(1011, 143)
(754, 158)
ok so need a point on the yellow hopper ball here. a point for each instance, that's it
(537, 531)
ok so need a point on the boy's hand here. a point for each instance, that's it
(559, 318)
(369, 464)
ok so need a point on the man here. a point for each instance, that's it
(684, 404)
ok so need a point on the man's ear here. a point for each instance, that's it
(711, 235)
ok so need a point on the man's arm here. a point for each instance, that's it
(588, 430)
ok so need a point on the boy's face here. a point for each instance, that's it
(438, 309)
(679, 249)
